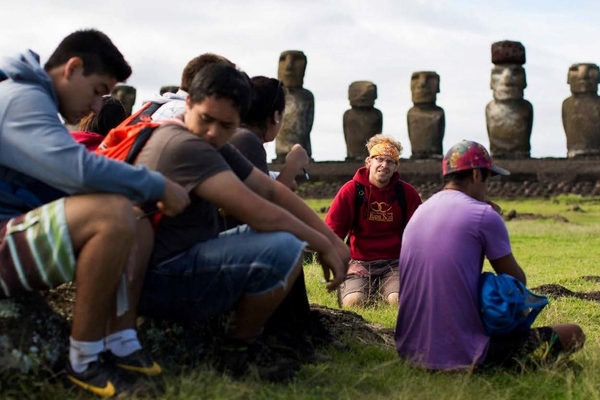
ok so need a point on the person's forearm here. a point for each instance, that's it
(287, 176)
(272, 218)
(296, 206)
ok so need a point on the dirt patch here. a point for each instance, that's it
(343, 323)
(34, 331)
(514, 215)
(558, 291)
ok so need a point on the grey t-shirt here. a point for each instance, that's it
(188, 160)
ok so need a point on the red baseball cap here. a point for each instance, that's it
(467, 155)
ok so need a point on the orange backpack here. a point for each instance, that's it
(125, 142)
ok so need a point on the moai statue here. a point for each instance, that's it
(126, 94)
(509, 116)
(362, 121)
(168, 89)
(426, 121)
(581, 111)
(299, 105)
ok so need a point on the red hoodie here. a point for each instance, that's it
(90, 140)
(377, 235)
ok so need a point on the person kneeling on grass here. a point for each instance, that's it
(372, 210)
(195, 272)
(439, 325)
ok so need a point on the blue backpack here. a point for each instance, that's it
(506, 305)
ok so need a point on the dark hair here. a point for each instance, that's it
(222, 81)
(196, 64)
(461, 176)
(269, 96)
(96, 50)
(110, 115)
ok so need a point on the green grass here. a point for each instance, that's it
(550, 251)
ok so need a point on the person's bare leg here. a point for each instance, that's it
(392, 299)
(354, 299)
(571, 337)
(136, 269)
(253, 311)
(102, 230)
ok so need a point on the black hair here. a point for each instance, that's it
(269, 96)
(196, 64)
(110, 115)
(96, 50)
(223, 81)
(461, 176)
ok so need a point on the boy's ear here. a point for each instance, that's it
(72, 65)
(277, 117)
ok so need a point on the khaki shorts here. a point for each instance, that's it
(384, 280)
(36, 251)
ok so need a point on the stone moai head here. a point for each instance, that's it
(424, 85)
(168, 89)
(362, 94)
(508, 75)
(126, 94)
(292, 66)
(583, 78)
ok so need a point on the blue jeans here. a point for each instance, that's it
(210, 278)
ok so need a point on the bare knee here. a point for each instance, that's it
(392, 298)
(354, 299)
(89, 215)
(571, 336)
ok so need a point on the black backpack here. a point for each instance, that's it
(398, 196)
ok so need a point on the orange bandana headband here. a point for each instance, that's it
(385, 149)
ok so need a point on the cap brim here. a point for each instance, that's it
(496, 170)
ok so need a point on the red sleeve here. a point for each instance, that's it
(340, 217)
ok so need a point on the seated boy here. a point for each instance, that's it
(61, 210)
(196, 272)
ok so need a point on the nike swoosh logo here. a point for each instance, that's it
(154, 370)
(106, 391)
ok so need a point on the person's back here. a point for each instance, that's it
(442, 251)
(439, 325)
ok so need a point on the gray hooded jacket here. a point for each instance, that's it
(40, 161)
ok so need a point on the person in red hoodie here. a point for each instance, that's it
(96, 125)
(371, 211)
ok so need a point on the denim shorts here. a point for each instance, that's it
(210, 278)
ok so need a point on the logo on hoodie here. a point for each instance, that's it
(380, 211)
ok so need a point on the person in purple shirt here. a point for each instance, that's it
(444, 244)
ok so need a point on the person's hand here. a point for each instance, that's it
(175, 199)
(297, 158)
(358, 269)
(331, 263)
(342, 249)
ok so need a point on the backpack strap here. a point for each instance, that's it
(146, 112)
(359, 199)
(3, 76)
(400, 197)
(140, 141)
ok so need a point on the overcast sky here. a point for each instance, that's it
(383, 41)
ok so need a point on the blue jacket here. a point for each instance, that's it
(40, 161)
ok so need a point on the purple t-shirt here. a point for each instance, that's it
(443, 248)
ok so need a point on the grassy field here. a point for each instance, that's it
(549, 249)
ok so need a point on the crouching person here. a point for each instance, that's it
(439, 326)
(196, 272)
(63, 213)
